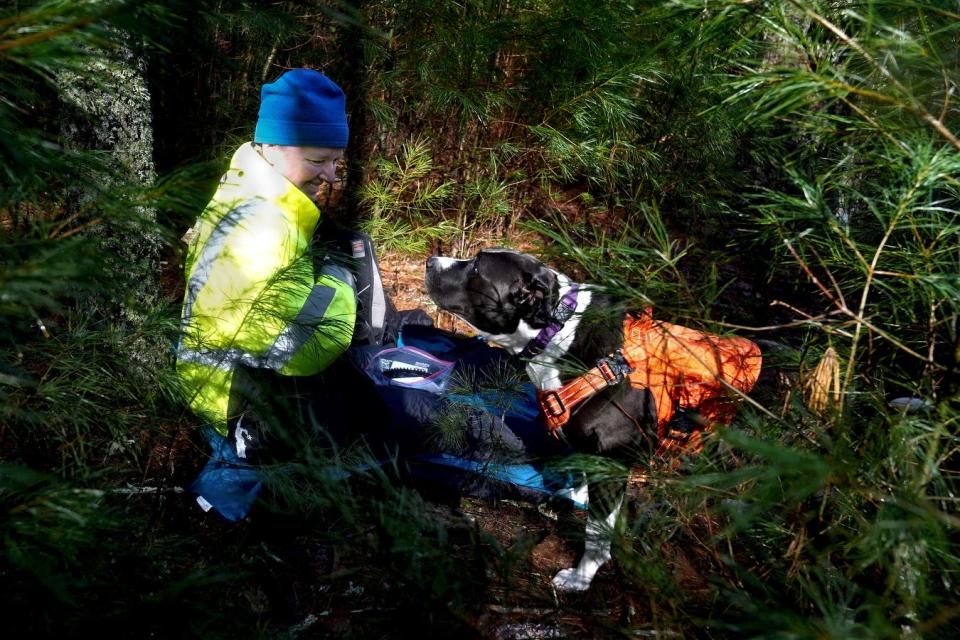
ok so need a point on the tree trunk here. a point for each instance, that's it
(107, 108)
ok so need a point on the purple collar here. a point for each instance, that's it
(564, 309)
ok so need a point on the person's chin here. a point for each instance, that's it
(312, 190)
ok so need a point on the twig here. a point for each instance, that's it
(806, 269)
(131, 490)
(496, 608)
(49, 34)
(809, 319)
(833, 281)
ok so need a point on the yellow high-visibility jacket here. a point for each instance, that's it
(252, 296)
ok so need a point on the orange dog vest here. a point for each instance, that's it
(683, 368)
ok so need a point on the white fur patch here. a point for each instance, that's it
(596, 553)
(579, 494)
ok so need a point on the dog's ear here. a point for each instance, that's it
(537, 295)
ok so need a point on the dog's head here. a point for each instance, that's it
(495, 290)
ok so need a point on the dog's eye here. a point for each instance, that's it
(475, 269)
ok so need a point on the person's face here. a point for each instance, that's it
(306, 167)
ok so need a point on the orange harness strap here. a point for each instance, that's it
(557, 405)
(683, 368)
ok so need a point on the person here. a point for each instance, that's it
(257, 311)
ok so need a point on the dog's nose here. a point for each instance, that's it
(431, 262)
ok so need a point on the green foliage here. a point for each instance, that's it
(705, 159)
(85, 379)
(78, 560)
(474, 401)
(639, 260)
(405, 537)
(402, 201)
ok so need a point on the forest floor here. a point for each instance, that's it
(299, 584)
(295, 585)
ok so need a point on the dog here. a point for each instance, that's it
(624, 404)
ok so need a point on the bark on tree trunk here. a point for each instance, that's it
(107, 108)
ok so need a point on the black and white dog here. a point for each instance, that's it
(555, 325)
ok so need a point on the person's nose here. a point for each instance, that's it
(328, 172)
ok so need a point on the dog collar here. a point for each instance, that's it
(564, 309)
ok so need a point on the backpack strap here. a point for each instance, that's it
(377, 318)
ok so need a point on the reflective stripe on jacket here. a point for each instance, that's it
(252, 295)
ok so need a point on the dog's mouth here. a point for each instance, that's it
(461, 310)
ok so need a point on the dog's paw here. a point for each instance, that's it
(571, 580)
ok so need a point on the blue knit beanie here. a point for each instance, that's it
(302, 108)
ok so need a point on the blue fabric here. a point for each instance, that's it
(522, 411)
(529, 480)
(302, 108)
(227, 483)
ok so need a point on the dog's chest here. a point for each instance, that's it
(545, 370)
(545, 377)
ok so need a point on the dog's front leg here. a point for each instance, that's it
(596, 552)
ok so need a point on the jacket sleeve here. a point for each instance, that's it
(322, 330)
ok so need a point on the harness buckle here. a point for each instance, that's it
(552, 404)
(614, 368)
